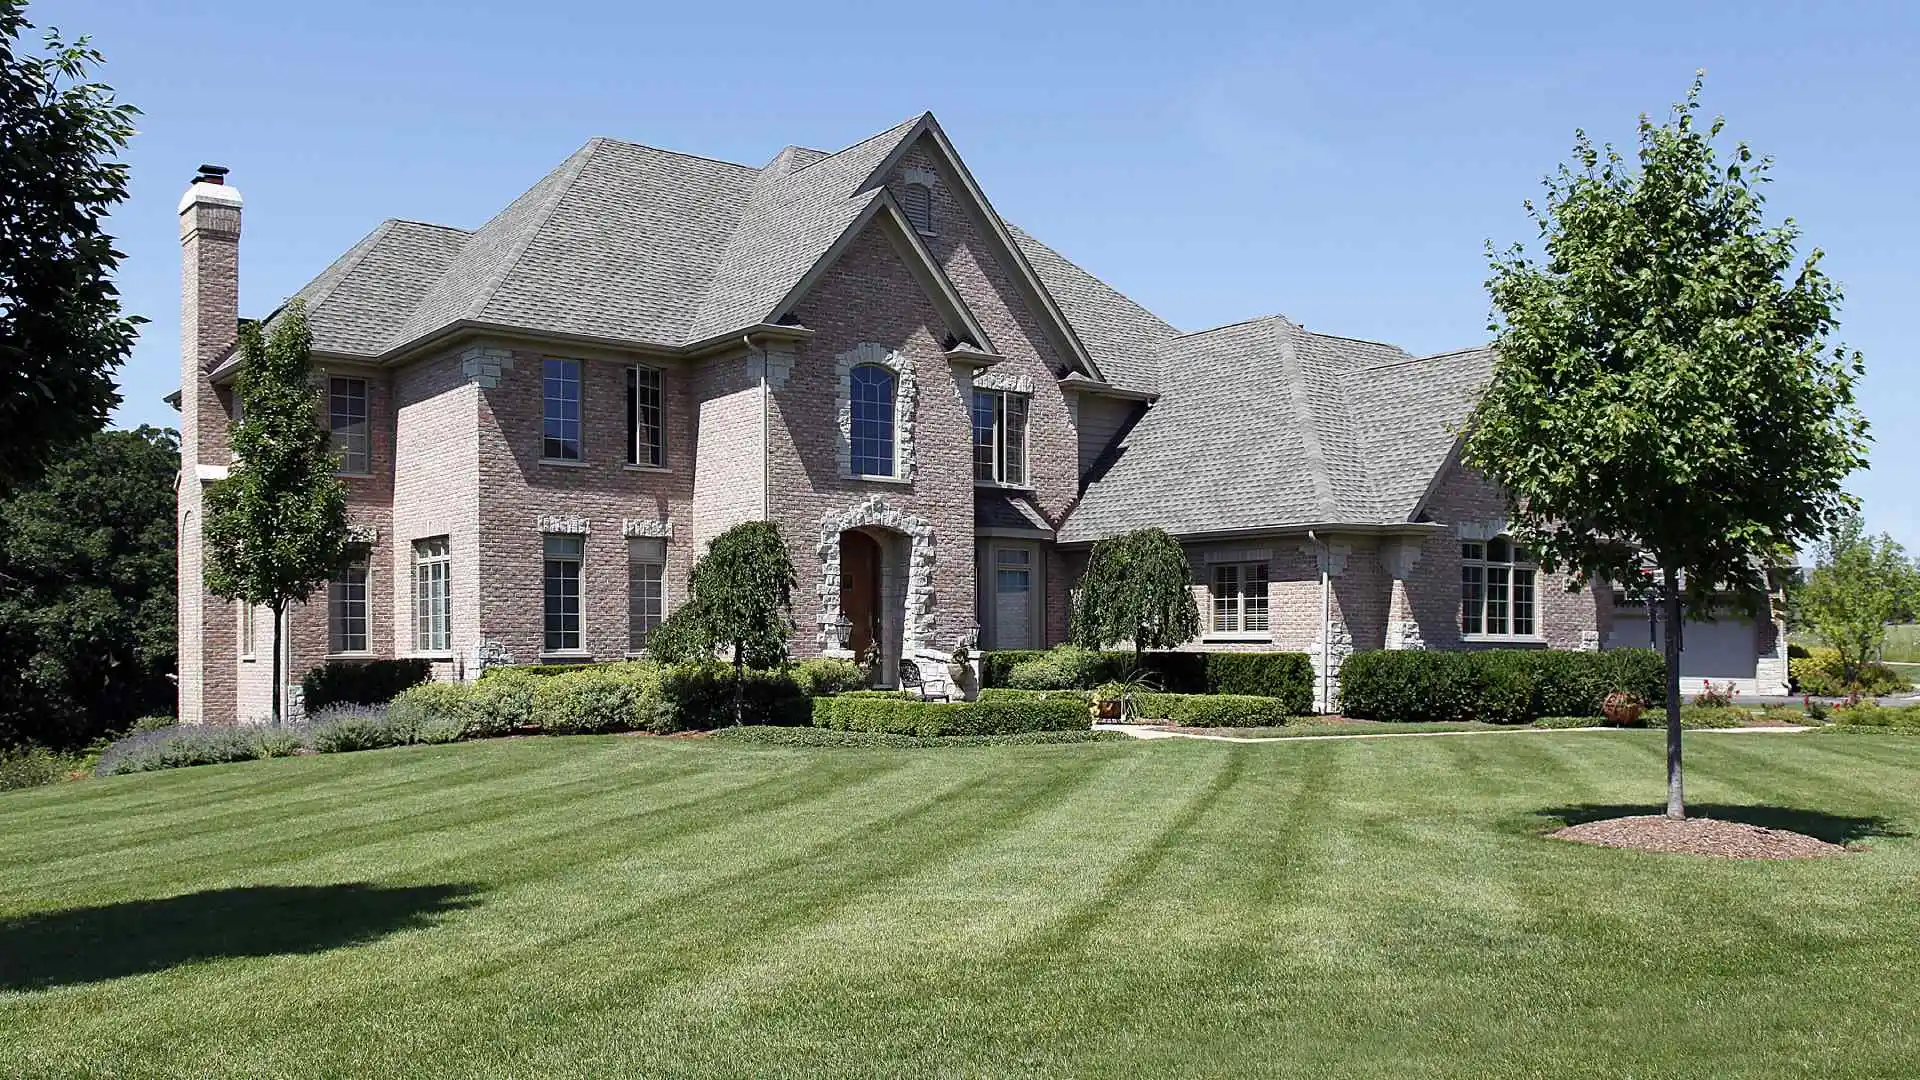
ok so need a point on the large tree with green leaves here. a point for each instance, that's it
(276, 527)
(740, 599)
(1138, 589)
(1665, 388)
(87, 591)
(1859, 585)
(62, 335)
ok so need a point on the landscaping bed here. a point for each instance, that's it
(1698, 836)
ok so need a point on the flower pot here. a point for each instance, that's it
(958, 673)
(1622, 709)
(1110, 710)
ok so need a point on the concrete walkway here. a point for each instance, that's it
(1152, 731)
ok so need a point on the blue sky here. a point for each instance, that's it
(1342, 164)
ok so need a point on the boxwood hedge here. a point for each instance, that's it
(1501, 686)
(992, 716)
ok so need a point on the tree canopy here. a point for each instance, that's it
(1137, 588)
(276, 527)
(1665, 385)
(739, 598)
(62, 335)
(87, 591)
(1859, 585)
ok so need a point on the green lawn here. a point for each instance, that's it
(598, 907)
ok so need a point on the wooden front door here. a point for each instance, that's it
(860, 590)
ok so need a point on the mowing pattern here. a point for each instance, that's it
(595, 907)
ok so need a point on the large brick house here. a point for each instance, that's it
(543, 421)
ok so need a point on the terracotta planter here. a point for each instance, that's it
(1622, 710)
(1110, 710)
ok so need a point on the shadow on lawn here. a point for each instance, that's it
(1833, 828)
(134, 937)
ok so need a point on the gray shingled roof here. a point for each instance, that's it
(354, 304)
(1124, 338)
(1007, 510)
(1263, 424)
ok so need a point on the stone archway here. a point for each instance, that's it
(906, 585)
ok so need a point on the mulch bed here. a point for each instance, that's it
(1698, 836)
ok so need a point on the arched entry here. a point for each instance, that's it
(862, 562)
(876, 585)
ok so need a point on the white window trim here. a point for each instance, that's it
(666, 605)
(247, 632)
(366, 423)
(580, 572)
(1510, 565)
(419, 563)
(633, 420)
(999, 439)
(364, 559)
(1242, 572)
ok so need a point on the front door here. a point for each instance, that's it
(860, 591)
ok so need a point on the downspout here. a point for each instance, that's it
(766, 431)
(1326, 621)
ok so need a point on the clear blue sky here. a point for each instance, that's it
(1341, 164)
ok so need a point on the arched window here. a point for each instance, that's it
(873, 394)
(917, 202)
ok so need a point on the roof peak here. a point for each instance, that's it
(609, 140)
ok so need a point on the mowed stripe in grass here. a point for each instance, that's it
(621, 906)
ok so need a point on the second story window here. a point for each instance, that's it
(646, 428)
(1496, 589)
(999, 437)
(560, 395)
(917, 203)
(873, 404)
(347, 421)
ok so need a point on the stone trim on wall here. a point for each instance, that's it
(905, 396)
(920, 621)
(915, 174)
(1330, 560)
(363, 535)
(1481, 530)
(1006, 381)
(484, 365)
(563, 523)
(780, 357)
(661, 529)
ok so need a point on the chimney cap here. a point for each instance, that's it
(211, 174)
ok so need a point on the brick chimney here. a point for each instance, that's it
(209, 325)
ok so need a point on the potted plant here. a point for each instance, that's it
(1622, 709)
(1110, 700)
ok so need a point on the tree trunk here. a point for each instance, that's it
(739, 683)
(274, 666)
(1676, 789)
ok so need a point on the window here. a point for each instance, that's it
(1013, 599)
(563, 592)
(347, 607)
(347, 420)
(246, 630)
(646, 589)
(1239, 595)
(431, 623)
(873, 392)
(999, 437)
(561, 396)
(646, 442)
(917, 203)
(1496, 589)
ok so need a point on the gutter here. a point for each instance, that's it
(1399, 528)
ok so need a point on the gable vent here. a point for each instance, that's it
(918, 205)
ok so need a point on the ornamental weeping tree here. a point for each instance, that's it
(1137, 588)
(1665, 390)
(739, 598)
(276, 527)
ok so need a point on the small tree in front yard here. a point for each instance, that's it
(1860, 584)
(1138, 588)
(276, 527)
(739, 598)
(1664, 384)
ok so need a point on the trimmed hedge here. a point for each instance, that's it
(896, 715)
(1284, 675)
(1214, 710)
(605, 697)
(822, 677)
(360, 682)
(811, 737)
(699, 697)
(1499, 686)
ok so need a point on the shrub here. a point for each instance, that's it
(1284, 675)
(498, 704)
(1508, 686)
(153, 722)
(822, 677)
(196, 744)
(538, 670)
(699, 697)
(441, 705)
(1900, 720)
(32, 766)
(607, 697)
(368, 682)
(1819, 673)
(1067, 668)
(1001, 693)
(340, 729)
(991, 716)
(996, 668)
(868, 740)
(1214, 710)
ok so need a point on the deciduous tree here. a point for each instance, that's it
(1859, 585)
(739, 598)
(1137, 588)
(1666, 386)
(276, 527)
